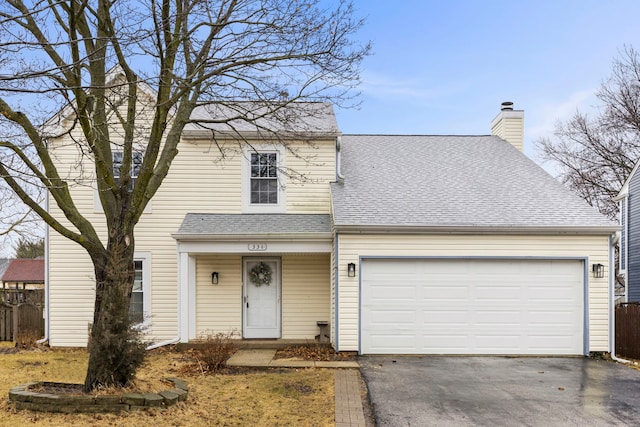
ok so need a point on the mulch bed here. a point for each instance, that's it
(315, 353)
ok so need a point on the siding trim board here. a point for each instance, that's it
(585, 280)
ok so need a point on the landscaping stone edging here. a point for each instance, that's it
(24, 398)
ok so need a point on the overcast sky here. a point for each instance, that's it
(444, 67)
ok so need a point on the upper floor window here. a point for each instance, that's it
(136, 165)
(264, 178)
(263, 189)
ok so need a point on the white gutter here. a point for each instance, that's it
(473, 229)
(339, 158)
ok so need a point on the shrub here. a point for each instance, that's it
(211, 353)
(27, 338)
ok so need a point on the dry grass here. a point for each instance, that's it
(239, 398)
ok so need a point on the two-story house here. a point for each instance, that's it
(403, 244)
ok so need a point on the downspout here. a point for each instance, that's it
(339, 159)
(612, 309)
(163, 343)
(46, 276)
(176, 339)
(336, 299)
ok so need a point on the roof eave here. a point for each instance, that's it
(252, 237)
(199, 134)
(472, 229)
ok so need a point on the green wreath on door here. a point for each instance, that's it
(260, 274)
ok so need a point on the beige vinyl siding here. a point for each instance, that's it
(510, 128)
(352, 247)
(310, 193)
(219, 307)
(305, 294)
(200, 181)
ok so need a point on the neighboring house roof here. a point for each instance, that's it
(25, 271)
(197, 225)
(4, 264)
(296, 118)
(452, 183)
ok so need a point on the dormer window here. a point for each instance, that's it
(264, 178)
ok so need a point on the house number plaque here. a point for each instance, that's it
(257, 246)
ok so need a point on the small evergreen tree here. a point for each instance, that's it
(29, 249)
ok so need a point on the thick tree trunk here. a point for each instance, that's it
(115, 348)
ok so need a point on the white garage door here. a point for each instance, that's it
(472, 306)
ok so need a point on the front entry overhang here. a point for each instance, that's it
(246, 235)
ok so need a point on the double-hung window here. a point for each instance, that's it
(136, 309)
(134, 170)
(263, 187)
(264, 179)
(140, 305)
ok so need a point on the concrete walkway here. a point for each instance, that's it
(349, 412)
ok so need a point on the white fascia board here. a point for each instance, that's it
(385, 229)
(206, 134)
(288, 237)
(256, 247)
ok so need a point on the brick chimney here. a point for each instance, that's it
(509, 125)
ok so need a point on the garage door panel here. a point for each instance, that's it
(443, 317)
(396, 318)
(475, 306)
(389, 292)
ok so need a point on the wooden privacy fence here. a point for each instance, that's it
(628, 330)
(20, 319)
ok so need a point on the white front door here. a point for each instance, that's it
(261, 298)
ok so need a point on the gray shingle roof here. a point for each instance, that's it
(296, 118)
(203, 225)
(451, 181)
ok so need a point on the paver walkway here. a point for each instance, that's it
(349, 411)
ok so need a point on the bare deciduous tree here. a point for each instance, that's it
(94, 59)
(594, 155)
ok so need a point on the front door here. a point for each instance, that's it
(261, 298)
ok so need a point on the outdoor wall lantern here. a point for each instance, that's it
(598, 270)
(214, 278)
(351, 270)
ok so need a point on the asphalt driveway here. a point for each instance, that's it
(501, 391)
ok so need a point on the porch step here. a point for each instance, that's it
(276, 344)
(253, 357)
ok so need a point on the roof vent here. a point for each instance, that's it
(506, 106)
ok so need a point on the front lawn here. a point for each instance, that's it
(302, 397)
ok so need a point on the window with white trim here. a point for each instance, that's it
(262, 180)
(134, 170)
(141, 292)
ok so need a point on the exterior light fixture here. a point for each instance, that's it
(598, 270)
(214, 278)
(351, 270)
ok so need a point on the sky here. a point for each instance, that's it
(444, 67)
